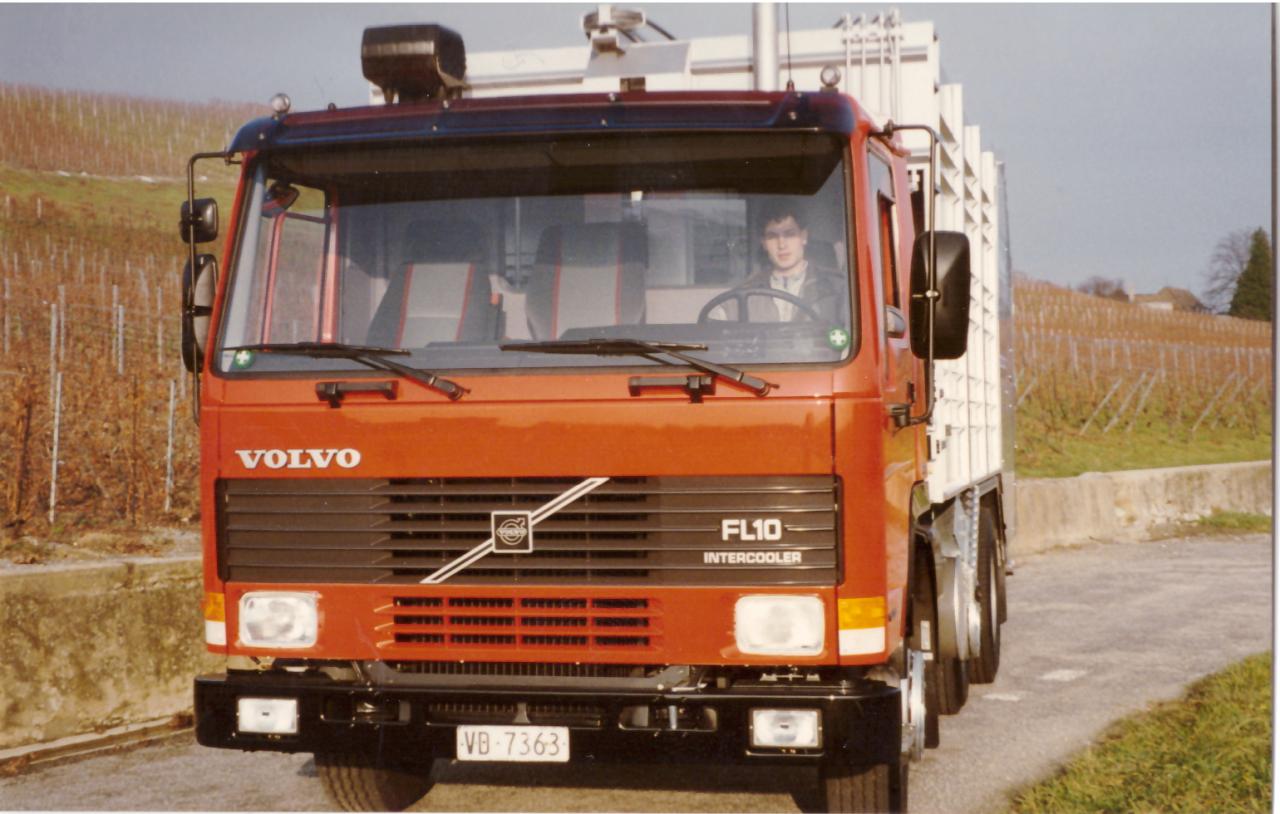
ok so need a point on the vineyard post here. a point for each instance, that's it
(53, 463)
(120, 340)
(53, 346)
(62, 322)
(1030, 386)
(1124, 405)
(1231, 394)
(115, 301)
(168, 466)
(1208, 407)
(1102, 404)
(1246, 404)
(1142, 402)
(6, 316)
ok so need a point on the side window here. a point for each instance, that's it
(886, 232)
(293, 304)
(285, 303)
(888, 250)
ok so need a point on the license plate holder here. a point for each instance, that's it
(513, 744)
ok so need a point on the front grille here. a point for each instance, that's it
(539, 714)
(628, 531)
(521, 669)
(603, 625)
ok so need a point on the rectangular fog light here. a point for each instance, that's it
(267, 716)
(786, 728)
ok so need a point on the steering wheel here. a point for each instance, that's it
(743, 295)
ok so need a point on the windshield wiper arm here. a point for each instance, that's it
(637, 347)
(369, 356)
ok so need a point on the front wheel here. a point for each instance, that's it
(878, 788)
(924, 631)
(357, 782)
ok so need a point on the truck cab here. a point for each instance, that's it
(521, 441)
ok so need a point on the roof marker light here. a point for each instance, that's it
(280, 104)
(830, 77)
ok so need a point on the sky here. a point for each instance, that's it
(1134, 137)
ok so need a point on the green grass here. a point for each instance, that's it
(1208, 752)
(1235, 521)
(144, 204)
(1065, 453)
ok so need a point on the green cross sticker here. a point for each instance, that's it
(242, 359)
(838, 338)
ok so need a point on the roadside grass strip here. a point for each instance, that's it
(1243, 522)
(1209, 751)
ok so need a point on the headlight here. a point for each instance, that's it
(779, 625)
(783, 728)
(278, 619)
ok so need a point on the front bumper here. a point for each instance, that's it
(860, 720)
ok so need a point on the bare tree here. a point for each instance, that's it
(1105, 288)
(1229, 258)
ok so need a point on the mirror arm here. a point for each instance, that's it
(932, 294)
(191, 255)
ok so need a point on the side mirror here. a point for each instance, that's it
(197, 305)
(951, 319)
(204, 219)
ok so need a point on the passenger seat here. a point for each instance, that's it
(587, 275)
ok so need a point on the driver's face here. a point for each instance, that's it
(784, 242)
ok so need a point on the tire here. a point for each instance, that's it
(358, 782)
(925, 610)
(983, 667)
(954, 685)
(879, 788)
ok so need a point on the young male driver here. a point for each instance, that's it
(784, 238)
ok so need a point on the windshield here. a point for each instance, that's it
(735, 241)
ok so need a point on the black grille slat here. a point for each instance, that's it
(521, 669)
(628, 531)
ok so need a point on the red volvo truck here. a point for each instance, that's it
(513, 450)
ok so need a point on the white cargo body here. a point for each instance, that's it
(893, 70)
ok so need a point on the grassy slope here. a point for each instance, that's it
(1042, 454)
(1210, 751)
(151, 204)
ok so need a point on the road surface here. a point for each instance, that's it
(1095, 633)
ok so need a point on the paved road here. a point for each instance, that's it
(1095, 633)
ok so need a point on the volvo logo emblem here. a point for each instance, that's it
(512, 532)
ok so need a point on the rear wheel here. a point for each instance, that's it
(954, 685)
(358, 782)
(983, 668)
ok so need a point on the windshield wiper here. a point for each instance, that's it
(365, 355)
(637, 347)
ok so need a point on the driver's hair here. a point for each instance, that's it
(777, 209)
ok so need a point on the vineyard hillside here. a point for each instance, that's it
(1104, 384)
(89, 270)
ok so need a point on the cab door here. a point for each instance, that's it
(898, 369)
(885, 234)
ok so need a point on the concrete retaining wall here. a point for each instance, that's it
(87, 647)
(1129, 505)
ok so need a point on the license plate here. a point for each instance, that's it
(518, 744)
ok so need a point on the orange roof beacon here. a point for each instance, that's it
(602, 425)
